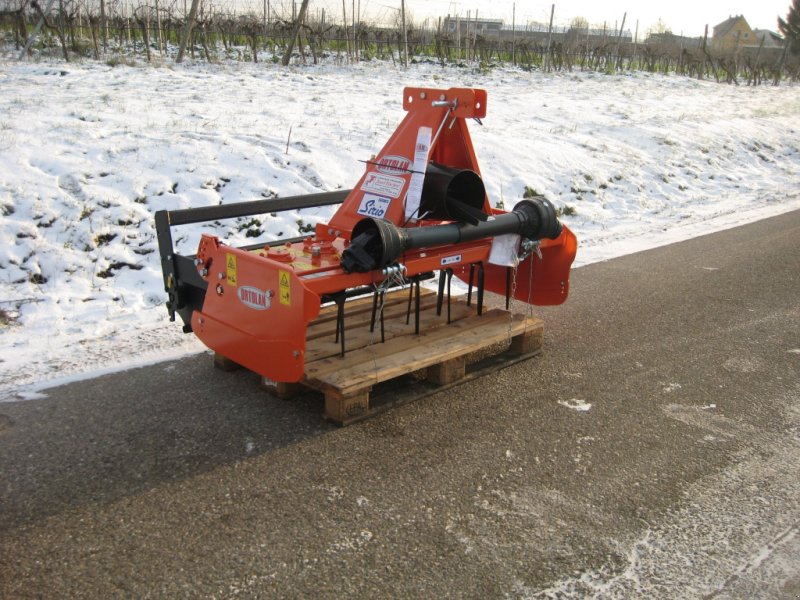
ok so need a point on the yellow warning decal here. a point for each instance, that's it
(230, 265)
(284, 288)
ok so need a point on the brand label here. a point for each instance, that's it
(373, 206)
(385, 185)
(393, 165)
(253, 297)
(449, 260)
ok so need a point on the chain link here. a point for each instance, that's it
(536, 251)
(395, 279)
(514, 270)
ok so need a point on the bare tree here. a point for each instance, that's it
(55, 27)
(252, 27)
(205, 24)
(287, 55)
(104, 25)
(19, 27)
(579, 23)
(315, 34)
(659, 27)
(142, 16)
(187, 30)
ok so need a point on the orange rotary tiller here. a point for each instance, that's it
(419, 208)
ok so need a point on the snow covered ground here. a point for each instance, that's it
(88, 153)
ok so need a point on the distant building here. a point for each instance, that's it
(484, 27)
(771, 39)
(533, 31)
(672, 41)
(597, 36)
(732, 34)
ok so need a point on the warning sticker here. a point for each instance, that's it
(383, 185)
(230, 267)
(284, 288)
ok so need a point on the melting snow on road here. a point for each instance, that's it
(576, 404)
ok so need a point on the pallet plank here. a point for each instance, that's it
(429, 348)
(428, 329)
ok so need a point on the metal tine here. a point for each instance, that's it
(469, 287)
(340, 320)
(375, 295)
(440, 295)
(449, 279)
(410, 296)
(383, 334)
(338, 323)
(416, 302)
(480, 288)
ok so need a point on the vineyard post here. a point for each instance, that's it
(549, 38)
(514, 34)
(405, 32)
(619, 41)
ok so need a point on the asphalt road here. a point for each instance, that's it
(681, 480)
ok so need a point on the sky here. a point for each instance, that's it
(687, 16)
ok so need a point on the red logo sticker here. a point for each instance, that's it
(394, 165)
(253, 297)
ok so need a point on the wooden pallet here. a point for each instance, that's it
(439, 354)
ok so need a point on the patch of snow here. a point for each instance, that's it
(30, 395)
(576, 404)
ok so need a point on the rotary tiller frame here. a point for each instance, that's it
(419, 207)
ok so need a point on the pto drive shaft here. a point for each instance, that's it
(376, 243)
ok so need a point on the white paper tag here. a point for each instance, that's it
(421, 151)
(505, 249)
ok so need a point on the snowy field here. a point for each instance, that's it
(89, 152)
